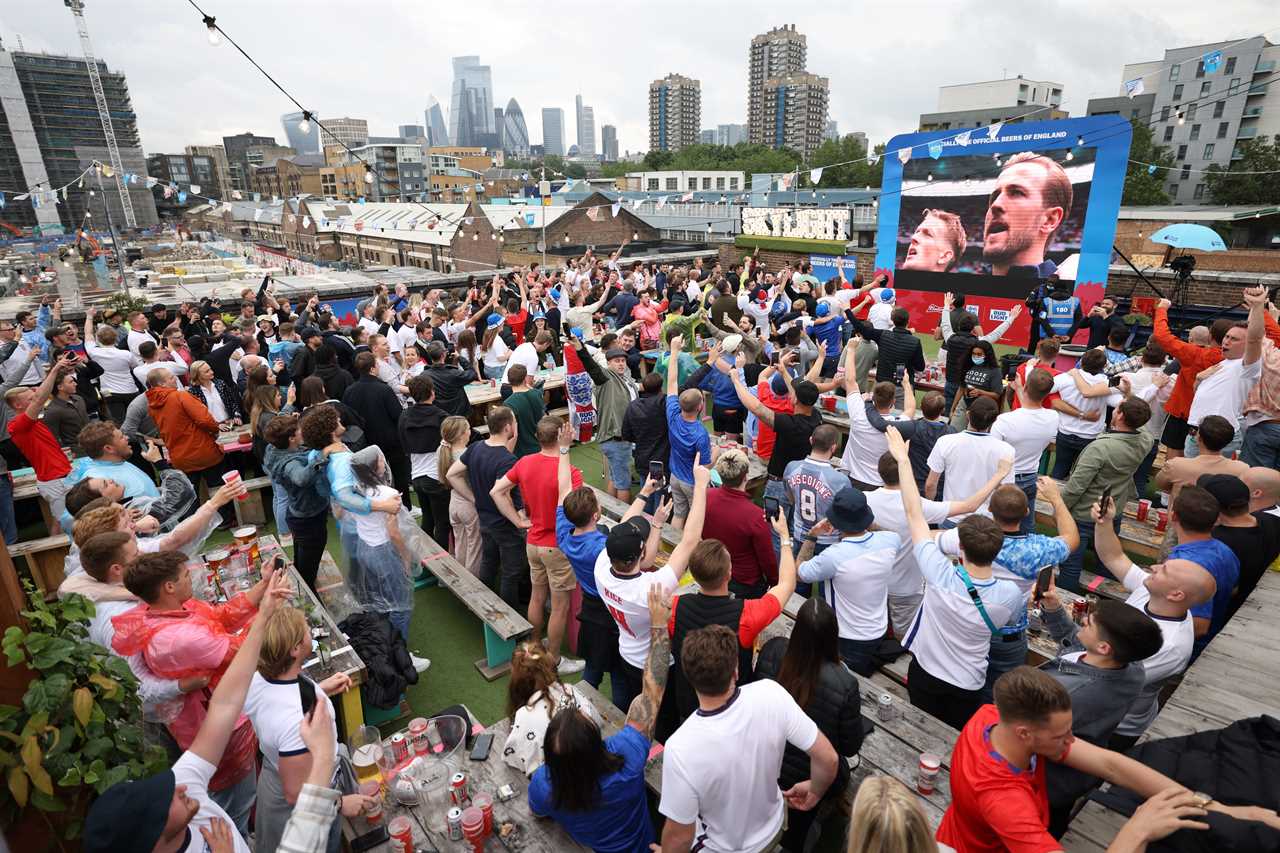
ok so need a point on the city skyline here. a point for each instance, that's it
(881, 92)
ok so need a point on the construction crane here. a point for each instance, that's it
(104, 113)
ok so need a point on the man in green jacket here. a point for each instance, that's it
(615, 389)
(1106, 465)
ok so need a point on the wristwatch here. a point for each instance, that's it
(564, 450)
(786, 542)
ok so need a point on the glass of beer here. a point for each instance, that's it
(366, 754)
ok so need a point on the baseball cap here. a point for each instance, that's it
(130, 816)
(309, 332)
(822, 310)
(625, 541)
(267, 318)
(1230, 490)
(494, 321)
(577, 333)
(887, 295)
(849, 511)
(731, 343)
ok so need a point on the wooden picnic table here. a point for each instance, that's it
(1234, 679)
(486, 392)
(535, 835)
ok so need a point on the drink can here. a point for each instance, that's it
(400, 828)
(374, 791)
(927, 773)
(418, 735)
(454, 821)
(884, 707)
(1091, 603)
(1078, 609)
(399, 747)
(458, 792)
(1162, 520)
(1144, 509)
(231, 478)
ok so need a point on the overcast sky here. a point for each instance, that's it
(381, 60)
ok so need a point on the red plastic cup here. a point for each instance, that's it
(1162, 520)
(1144, 509)
(473, 828)
(231, 478)
(374, 813)
(484, 803)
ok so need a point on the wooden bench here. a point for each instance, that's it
(503, 626)
(46, 560)
(251, 509)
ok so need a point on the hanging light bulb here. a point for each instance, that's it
(368, 174)
(475, 236)
(211, 23)
(635, 235)
(1070, 156)
(1139, 235)
(305, 125)
(929, 177)
(708, 228)
(1182, 119)
(1079, 140)
(493, 236)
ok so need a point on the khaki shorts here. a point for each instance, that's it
(681, 498)
(550, 567)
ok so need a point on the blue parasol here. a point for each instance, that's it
(1185, 235)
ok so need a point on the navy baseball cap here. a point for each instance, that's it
(625, 542)
(130, 817)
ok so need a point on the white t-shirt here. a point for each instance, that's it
(1029, 432)
(389, 372)
(117, 367)
(424, 465)
(137, 339)
(213, 402)
(1179, 635)
(879, 314)
(859, 569)
(372, 527)
(1224, 392)
(526, 354)
(720, 770)
(1142, 385)
(865, 446)
(371, 326)
(627, 597)
(949, 637)
(404, 337)
(452, 330)
(194, 772)
(968, 459)
(493, 356)
(1065, 387)
(177, 368)
(890, 515)
(275, 709)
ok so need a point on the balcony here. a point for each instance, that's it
(1247, 132)
(1252, 112)
(1265, 67)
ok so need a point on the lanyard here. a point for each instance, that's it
(977, 599)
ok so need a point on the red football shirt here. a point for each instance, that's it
(517, 323)
(994, 806)
(536, 476)
(1022, 374)
(765, 436)
(757, 614)
(37, 443)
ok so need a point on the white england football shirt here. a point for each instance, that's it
(627, 598)
(1029, 432)
(969, 459)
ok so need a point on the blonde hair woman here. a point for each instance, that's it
(455, 435)
(275, 706)
(886, 818)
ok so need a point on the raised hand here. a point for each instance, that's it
(897, 445)
(701, 473)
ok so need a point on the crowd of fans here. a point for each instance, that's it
(918, 535)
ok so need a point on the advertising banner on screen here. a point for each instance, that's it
(997, 212)
(826, 267)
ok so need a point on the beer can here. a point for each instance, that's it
(399, 747)
(884, 707)
(927, 772)
(454, 820)
(418, 735)
(458, 792)
(400, 830)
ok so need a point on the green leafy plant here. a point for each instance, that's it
(79, 728)
(125, 302)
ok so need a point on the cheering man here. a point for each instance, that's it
(1029, 204)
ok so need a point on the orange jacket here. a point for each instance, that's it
(187, 428)
(1191, 360)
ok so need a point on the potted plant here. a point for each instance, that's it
(77, 732)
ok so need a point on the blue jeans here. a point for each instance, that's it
(1191, 449)
(1261, 447)
(859, 655)
(280, 507)
(1143, 475)
(1027, 482)
(617, 683)
(1067, 448)
(949, 391)
(618, 456)
(8, 526)
(1069, 571)
(1003, 657)
(778, 489)
(400, 621)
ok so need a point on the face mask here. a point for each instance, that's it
(979, 359)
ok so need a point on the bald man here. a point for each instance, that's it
(1199, 335)
(1264, 489)
(1166, 593)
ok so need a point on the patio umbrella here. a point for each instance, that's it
(1186, 235)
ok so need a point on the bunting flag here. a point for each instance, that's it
(468, 220)
(815, 175)
(963, 139)
(1212, 60)
(872, 159)
(292, 219)
(1135, 87)
(593, 213)
(360, 200)
(687, 197)
(528, 220)
(360, 225)
(64, 193)
(662, 202)
(2, 201)
(635, 203)
(904, 154)
(1151, 170)
(257, 197)
(935, 149)
(107, 171)
(195, 189)
(182, 197)
(257, 214)
(617, 205)
(151, 182)
(275, 199)
(993, 130)
(235, 194)
(306, 222)
(168, 192)
(35, 200)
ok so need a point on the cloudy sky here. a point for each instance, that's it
(381, 61)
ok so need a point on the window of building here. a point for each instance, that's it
(1182, 152)
(706, 183)
(1164, 113)
(1204, 89)
(1222, 129)
(1186, 172)
(652, 184)
(1208, 150)
(1168, 134)
(733, 183)
(1200, 68)
(1173, 188)
(1133, 114)
(1195, 132)
(693, 183)
(673, 183)
(1218, 109)
(1235, 83)
(1177, 91)
(1173, 71)
(1191, 112)
(719, 183)
(1199, 192)
(1231, 65)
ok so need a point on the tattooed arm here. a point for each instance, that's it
(644, 708)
